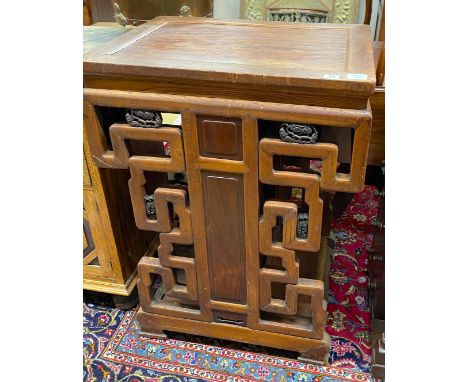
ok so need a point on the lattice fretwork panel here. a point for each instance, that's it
(171, 206)
(302, 309)
(240, 278)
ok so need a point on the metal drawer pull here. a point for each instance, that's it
(232, 322)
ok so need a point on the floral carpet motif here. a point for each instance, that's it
(113, 351)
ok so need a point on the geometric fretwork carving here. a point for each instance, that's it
(166, 262)
(330, 180)
(310, 183)
(119, 156)
(285, 249)
(290, 275)
(290, 305)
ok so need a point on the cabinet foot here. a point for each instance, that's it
(149, 328)
(126, 302)
(317, 355)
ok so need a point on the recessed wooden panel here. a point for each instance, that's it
(224, 220)
(220, 137)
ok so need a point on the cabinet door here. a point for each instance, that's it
(95, 261)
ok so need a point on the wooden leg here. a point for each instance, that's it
(317, 355)
(149, 328)
(126, 302)
(323, 262)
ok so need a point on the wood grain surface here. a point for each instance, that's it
(325, 56)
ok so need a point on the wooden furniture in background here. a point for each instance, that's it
(377, 292)
(214, 275)
(377, 100)
(136, 12)
(377, 142)
(87, 18)
(381, 61)
(112, 245)
(101, 10)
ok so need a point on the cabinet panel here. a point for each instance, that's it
(220, 137)
(224, 220)
(95, 261)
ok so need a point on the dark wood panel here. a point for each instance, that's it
(224, 219)
(377, 141)
(377, 266)
(220, 137)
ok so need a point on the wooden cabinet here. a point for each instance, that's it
(235, 249)
(112, 245)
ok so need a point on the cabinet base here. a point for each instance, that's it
(112, 287)
(311, 350)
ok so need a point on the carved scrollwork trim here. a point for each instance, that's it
(143, 118)
(294, 133)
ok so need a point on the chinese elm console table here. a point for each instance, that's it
(255, 102)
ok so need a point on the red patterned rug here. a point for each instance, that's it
(113, 351)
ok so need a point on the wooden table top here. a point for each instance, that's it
(329, 57)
